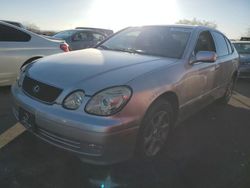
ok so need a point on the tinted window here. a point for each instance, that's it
(205, 42)
(98, 37)
(229, 46)
(150, 40)
(221, 45)
(81, 36)
(64, 34)
(10, 34)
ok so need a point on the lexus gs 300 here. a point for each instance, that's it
(123, 97)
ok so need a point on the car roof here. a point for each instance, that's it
(89, 30)
(194, 27)
(11, 25)
(24, 30)
(18, 24)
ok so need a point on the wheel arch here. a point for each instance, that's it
(235, 75)
(30, 60)
(171, 97)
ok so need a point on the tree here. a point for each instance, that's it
(195, 21)
(32, 27)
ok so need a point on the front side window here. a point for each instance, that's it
(229, 45)
(221, 45)
(205, 42)
(150, 40)
(9, 34)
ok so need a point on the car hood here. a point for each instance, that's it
(93, 69)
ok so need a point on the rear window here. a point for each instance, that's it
(64, 34)
(221, 45)
(9, 34)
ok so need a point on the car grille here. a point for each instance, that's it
(40, 91)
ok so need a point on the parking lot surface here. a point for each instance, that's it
(211, 149)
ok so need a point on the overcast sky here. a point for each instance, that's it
(231, 16)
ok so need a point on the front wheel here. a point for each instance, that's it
(155, 129)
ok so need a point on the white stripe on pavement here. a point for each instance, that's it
(242, 99)
(11, 134)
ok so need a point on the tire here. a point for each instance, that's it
(229, 92)
(155, 130)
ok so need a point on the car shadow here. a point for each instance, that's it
(211, 149)
(6, 117)
(243, 87)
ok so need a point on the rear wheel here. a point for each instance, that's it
(156, 127)
(229, 92)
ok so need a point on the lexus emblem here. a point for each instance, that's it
(36, 89)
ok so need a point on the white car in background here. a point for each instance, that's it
(19, 47)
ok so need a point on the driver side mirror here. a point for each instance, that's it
(204, 56)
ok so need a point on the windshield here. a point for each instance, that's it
(242, 48)
(151, 40)
(64, 34)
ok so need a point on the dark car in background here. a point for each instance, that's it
(78, 39)
(243, 48)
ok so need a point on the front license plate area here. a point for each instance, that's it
(27, 119)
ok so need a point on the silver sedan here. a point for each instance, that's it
(19, 47)
(123, 98)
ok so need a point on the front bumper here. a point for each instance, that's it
(244, 71)
(97, 140)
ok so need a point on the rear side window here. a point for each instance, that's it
(9, 34)
(221, 45)
(98, 37)
(81, 36)
(229, 45)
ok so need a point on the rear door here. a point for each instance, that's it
(224, 64)
(12, 42)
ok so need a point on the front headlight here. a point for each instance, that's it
(73, 100)
(109, 101)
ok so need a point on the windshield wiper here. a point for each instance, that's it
(104, 47)
(129, 50)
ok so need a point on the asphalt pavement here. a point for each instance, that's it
(211, 149)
